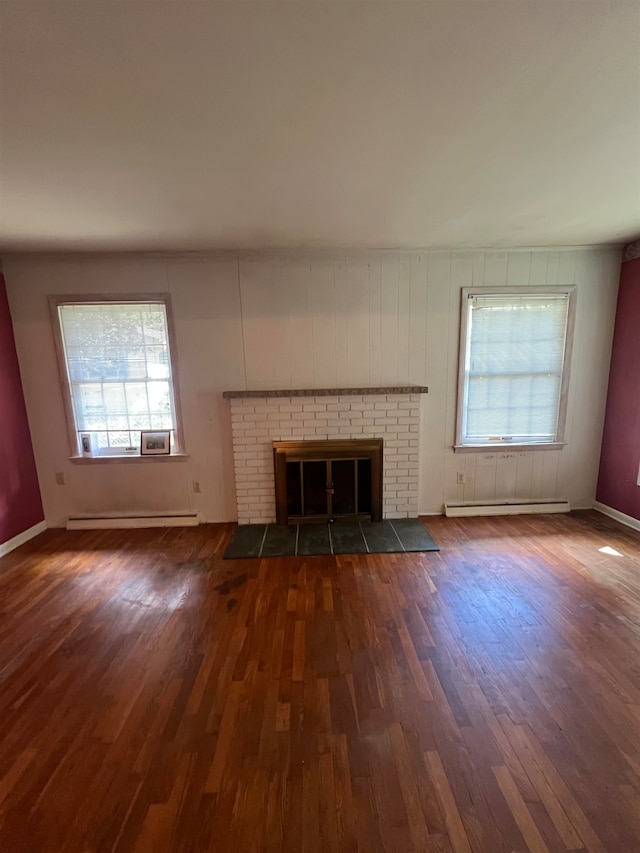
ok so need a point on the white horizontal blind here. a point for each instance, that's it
(119, 370)
(513, 367)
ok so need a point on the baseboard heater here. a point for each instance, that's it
(107, 522)
(468, 508)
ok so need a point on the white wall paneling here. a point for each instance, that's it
(308, 320)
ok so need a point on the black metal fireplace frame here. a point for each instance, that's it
(328, 451)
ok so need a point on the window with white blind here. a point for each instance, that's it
(514, 366)
(118, 371)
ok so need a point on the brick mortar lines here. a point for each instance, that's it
(256, 424)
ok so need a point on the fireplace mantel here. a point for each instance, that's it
(330, 392)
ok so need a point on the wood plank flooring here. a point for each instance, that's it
(483, 698)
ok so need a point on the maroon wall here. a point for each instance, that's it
(618, 481)
(20, 503)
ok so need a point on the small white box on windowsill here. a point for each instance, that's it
(89, 444)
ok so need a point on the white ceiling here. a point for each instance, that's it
(195, 125)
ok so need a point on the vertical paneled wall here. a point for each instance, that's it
(316, 320)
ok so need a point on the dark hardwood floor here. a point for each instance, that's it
(154, 697)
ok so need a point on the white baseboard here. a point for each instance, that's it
(467, 509)
(21, 538)
(112, 522)
(622, 517)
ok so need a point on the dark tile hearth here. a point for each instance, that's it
(308, 540)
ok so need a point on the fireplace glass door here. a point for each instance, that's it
(325, 481)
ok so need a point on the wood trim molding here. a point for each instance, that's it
(21, 538)
(330, 392)
(622, 517)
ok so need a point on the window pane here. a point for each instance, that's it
(513, 370)
(119, 369)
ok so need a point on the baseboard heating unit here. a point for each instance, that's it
(468, 508)
(107, 522)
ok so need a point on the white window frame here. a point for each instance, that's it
(517, 292)
(57, 300)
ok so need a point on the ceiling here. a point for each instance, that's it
(196, 125)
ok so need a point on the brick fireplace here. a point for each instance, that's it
(259, 418)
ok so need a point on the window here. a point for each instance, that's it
(116, 363)
(514, 366)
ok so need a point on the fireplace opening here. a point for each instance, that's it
(320, 481)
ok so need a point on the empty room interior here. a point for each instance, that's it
(320, 426)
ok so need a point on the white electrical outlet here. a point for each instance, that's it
(196, 487)
(460, 479)
(59, 478)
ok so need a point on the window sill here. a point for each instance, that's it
(506, 447)
(101, 460)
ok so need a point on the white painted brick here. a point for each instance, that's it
(414, 428)
(310, 418)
